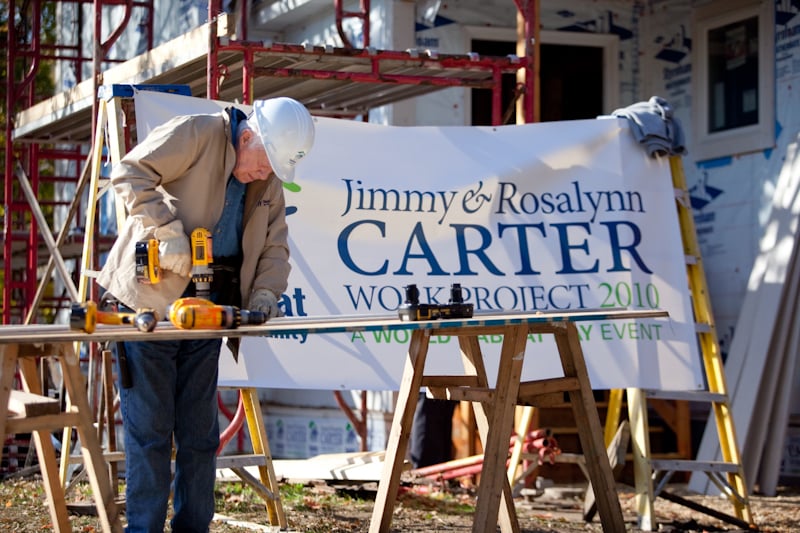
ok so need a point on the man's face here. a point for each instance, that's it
(252, 163)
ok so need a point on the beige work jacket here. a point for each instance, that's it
(179, 172)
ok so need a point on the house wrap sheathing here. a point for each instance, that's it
(732, 194)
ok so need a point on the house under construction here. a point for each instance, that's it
(47, 141)
(412, 63)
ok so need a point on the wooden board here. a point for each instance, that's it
(616, 458)
(358, 466)
(749, 359)
(27, 404)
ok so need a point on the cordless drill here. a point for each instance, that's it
(199, 313)
(85, 317)
(202, 274)
(148, 268)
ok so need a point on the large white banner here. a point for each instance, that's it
(551, 216)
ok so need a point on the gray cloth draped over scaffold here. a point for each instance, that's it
(654, 126)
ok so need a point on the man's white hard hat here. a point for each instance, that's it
(287, 130)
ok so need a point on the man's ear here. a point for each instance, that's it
(246, 136)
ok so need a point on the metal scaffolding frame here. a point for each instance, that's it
(33, 168)
(333, 81)
(215, 60)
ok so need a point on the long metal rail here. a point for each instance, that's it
(44, 333)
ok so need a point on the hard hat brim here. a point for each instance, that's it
(286, 130)
(284, 172)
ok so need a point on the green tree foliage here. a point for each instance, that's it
(43, 83)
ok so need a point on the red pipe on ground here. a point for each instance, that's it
(536, 442)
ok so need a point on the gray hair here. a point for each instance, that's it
(249, 124)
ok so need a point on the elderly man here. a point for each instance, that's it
(223, 172)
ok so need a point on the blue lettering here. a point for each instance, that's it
(418, 235)
(360, 294)
(616, 247)
(463, 252)
(344, 251)
(524, 249)
(566, 246)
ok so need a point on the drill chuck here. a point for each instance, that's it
(253, 317)
(145, 320)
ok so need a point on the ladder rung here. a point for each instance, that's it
(234, 461)
(702, 328)
(686, 465)
(690, 396)
(110, 457)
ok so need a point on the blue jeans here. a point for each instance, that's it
(173, 396)
(432, 431)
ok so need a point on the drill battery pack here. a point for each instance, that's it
(148, 269)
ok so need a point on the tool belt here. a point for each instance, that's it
(109, 302)
(226, 285)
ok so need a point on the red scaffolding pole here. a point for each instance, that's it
(39, 161)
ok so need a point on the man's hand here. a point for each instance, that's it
(174, 251)
(265, 301)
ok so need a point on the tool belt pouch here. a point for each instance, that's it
(225, 285)
(109, 303)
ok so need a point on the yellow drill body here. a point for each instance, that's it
(148, 267)
(199, 313)
(202, 274)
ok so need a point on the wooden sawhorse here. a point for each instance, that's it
(22, 345)
(494, 408)
(19, 414)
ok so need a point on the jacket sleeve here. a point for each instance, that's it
(272, 269)
(165, 155)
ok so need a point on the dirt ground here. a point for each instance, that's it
(321, 507)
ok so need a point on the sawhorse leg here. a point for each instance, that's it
(56, 503)
(495, 422)
(78, 416)
(589, 430)
(400, 432)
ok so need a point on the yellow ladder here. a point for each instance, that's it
(728, 474)
(110, 126)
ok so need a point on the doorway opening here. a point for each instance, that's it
(578, 76)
